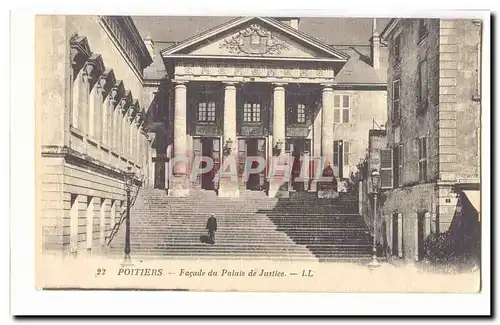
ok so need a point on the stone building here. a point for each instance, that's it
(257, 86)
(90, 106)
(430, 167)
(109, 99)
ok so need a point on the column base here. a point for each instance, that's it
(178, 192)
(228, 188)
(278, 188)
(179, 186)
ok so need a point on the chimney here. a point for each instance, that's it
(150, 46)
(375, 46)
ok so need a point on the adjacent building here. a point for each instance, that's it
(430, 161)
(91, 107)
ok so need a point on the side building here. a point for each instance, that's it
(91, 113)
(430, 166)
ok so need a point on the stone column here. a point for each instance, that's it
(228, 186)
(179, 185)
(278, 182)
(325, 187)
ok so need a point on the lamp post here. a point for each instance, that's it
(129, 182)
(375, 176)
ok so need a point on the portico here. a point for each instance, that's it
(253, 88)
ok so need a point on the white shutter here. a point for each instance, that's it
(346, 159)
(386, 169)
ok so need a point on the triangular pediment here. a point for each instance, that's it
(255, 37)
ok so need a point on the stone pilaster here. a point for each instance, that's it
(228, 186)
(179, 183)
(447, 120)
(278, 180)
(84, 114)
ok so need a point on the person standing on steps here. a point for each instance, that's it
(212, 228)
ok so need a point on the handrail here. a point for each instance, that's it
(123, 216)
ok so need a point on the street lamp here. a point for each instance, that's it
(129, 182)
(375, 176)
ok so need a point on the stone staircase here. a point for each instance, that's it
(252, 226)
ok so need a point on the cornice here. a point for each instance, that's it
(74, 157)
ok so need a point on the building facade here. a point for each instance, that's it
(431, 162)
(259, 87)
(109, 101)
(91, 107)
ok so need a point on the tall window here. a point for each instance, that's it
(341, 107)
(336, 150)
(396, 109)
(206, 111)
(341, 149)
(251, 112)
(422, 159)
(301, 113)
(347, 152)
(422, 88)
(422, 29)
(397, 49)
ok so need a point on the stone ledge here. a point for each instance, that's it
(74, 157)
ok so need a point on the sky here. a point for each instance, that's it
(338, 31)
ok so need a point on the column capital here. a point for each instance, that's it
(278, 85)
(179, 82)
(327, 86)
(229, 84)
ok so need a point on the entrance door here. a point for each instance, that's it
(395, 228)
(253, 182)
(210, 148)
(251, 148)
(299, 148)
(420, 235)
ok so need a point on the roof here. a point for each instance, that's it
(389, 28)
(376, 133)
(329, 30)
(357, 70)
(288, 30)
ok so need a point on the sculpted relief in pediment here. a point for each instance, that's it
(254, 39)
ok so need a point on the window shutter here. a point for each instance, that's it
(386, 177)
(346, 152)
(395, 163)
(400, 165)
(335, 153)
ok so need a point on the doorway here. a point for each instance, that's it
(209, 148)
(297, 149)
(395, 237)
(420, 235)
(251, 147)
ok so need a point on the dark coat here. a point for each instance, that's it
(212, 223)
